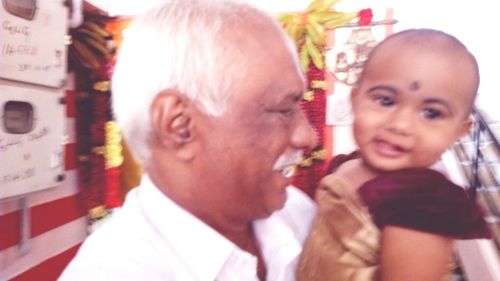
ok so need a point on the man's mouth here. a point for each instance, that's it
(287, 163)
(289, 171)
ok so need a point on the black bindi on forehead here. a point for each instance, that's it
(415, 85)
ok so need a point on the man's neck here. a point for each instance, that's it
(243, 236)
(237, 230)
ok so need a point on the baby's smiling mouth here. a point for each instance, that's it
(389, 149)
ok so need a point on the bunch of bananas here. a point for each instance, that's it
(308, 29)
(91, 45)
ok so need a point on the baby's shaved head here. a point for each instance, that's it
(426, 41)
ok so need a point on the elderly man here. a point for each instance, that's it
(207, 94)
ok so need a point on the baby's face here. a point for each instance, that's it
(411, 106)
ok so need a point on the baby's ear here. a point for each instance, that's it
(466, 125)
(354, 93)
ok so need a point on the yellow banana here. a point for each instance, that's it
(339, 20)
(315, 30)
(314, 5)
(292, 30)
(316, 56)
(325, 16)
(296, 30)
(100, 48)
(313, 35)
(96, 28)
(320, 5)
(299, 35)
(79, 60)
(85, 56)
(327, 4)
(84, 32)
(304, 58)
(285, 19)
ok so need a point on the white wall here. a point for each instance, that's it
(473, 22)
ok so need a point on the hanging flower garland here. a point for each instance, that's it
(131, 170)
(308, 30)
(98, 137)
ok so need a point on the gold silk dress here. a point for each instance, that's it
(344, 242)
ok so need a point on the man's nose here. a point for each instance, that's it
(304, 136)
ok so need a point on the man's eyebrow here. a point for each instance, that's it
(296, 96)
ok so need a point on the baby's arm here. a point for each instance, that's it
(419, 213)
(413, 255)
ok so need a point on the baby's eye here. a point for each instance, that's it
(384, 100)
(431, 113)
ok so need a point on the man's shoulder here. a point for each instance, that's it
(120, 249)
(116, 252)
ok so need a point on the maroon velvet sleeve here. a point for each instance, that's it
(340, 159)
(424, 199)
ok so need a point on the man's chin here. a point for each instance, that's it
(278, 202)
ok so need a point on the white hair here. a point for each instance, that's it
(179, 45)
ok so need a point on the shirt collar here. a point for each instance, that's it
(279, 245)
(187, 235)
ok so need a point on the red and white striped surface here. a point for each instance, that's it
(57, 222)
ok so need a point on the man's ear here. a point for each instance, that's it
(172, 122)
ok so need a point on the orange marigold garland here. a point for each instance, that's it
(114, 159)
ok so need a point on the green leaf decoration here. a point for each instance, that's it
(316, 56)
(304, 59)
(308, 29)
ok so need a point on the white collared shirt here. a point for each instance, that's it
(152, 238)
